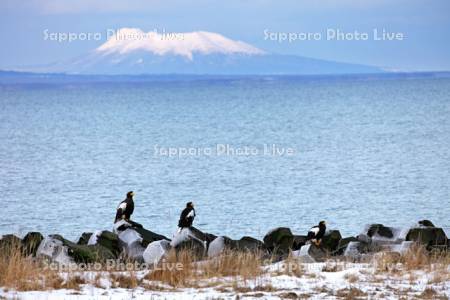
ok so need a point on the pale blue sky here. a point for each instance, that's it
(426, 25)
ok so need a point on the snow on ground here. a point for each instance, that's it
(314, 281)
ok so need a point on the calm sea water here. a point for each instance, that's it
(364, 151)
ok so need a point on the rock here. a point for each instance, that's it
(106, 239)
(30, 243)
(217, 246)
(203, 236)
(400, 248)
(279, 240)
(355, 249)
(426, 223)
(352, 249)
(299, 241)
(427, 236)
(248, 243)
(330, 240)
(343, 243)
(380, 230)
(9, 244)
(146, 235)
(310, 253)
(149, 236)
(131, 243)
(364, 238)
(245, 244)
(185, 239)
(120, 226)
(195, 247)
(84, 238)
(54, 250)
(9, 241)
(155, 251)
(85, 253)
(381, 235)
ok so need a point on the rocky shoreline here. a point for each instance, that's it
(126, 243)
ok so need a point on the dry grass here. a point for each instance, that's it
(292, 267)
(416, 258)
(351, 293)
(245, 265)
(126, 281)
(24, 273)
(332, 266)
(351, 278)
(430, 293)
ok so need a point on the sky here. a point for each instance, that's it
(425, 26)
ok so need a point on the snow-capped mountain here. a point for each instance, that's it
(133, 51)
(129, 40)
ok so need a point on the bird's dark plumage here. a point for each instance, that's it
(125, 208)
(316, 233)
(187, 216)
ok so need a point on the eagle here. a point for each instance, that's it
(316, 233)
(125, 208)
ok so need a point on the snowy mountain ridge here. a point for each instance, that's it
(128, 40)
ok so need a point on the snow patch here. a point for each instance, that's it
(94, 237)
(127, 40)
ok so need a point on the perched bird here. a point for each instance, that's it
(125, 208)
(316, 233)
(187, 216)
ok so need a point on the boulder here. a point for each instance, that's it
(352, 249)
(380, 230)
(217, 246)
(10, 243)
(185, 239)
(381, 235)
(149, 236)
(355, 249)
(426, 223)
(122, 225)
(146, 235)
(330, 240)
(343, 243)
(399, 248)
(203, 236)
(299, 241)
(130, 242)
(245, 244)
(248, 243)
(195, 247)
(85, 253)
(106, 239)
(310, 253)
(84, 238)
(30, 243)
(54, 250)
(155, 251)
(364, 238)
(427, 236)
(279, 240)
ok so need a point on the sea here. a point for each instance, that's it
(253, 153)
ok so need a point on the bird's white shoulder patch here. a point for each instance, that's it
(122, 206)
(314, 229)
